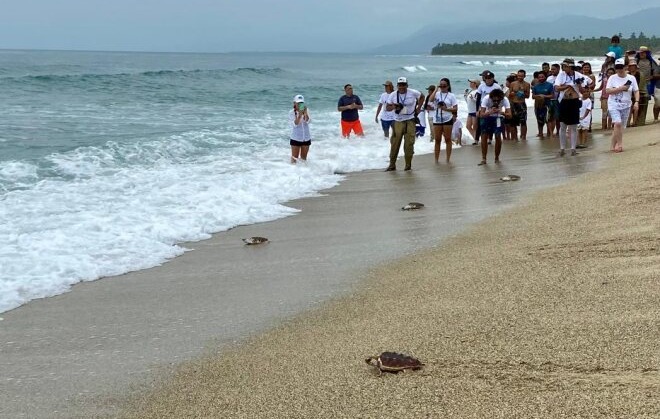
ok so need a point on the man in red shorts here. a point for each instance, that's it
(349, 105)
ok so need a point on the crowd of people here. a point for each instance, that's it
(563, 95)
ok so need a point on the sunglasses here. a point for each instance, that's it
(443, 85)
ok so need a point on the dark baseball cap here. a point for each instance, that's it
(487, 74)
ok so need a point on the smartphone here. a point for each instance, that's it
(301, 107)
(629, 82)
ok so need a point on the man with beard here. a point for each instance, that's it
(542, 92)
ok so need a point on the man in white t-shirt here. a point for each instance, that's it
(620, 87)
(406, 104)
(487, 85)
(386, 117)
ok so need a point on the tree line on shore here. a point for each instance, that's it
(544, 46)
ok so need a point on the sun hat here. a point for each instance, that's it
(299, 99)
(431, 87)
(473, 81)
(611, 54)
(388, 83)
(402, 80)
(620, 61)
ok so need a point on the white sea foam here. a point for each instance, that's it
(507, 63)
(125, 207)
(474, 63)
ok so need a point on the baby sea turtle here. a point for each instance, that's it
(255, 240)
(509, 178)
(394, 362)
(413, 206)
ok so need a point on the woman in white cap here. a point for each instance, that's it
(620, 87)
(301, 137)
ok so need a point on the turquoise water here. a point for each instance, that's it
(108, 160)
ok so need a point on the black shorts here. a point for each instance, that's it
(569, 111)
(450, 122)
(519, 111)
(295, 143)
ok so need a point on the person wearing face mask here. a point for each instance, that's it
(621, 88)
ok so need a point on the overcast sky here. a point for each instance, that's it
(259, 25)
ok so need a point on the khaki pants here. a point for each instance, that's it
(403, 130)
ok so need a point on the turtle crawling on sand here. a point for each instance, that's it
(394, 362)
(412, 206)
(509, 178)
(255, 240)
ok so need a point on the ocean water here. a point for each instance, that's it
(109, 160)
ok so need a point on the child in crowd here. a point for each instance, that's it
(420, 124)
(457, 132)
(585, 119)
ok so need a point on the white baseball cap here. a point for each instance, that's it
(402, 80)
(298, 98)
(620, 61)
(611, 54)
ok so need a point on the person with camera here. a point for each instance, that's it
(494, 107)
(446, 105)
(301, 137)
(488, 84)
(349, 105)
(406, 104)
(621, 87)
(570, 84)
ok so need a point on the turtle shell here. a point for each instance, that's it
(394, 362)
(255, 240)
(413, 206)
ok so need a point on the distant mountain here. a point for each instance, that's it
(568, 27)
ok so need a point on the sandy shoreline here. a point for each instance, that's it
(79, 354)
(554, 313)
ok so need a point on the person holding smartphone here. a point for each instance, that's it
(301, 137)
(621, 88)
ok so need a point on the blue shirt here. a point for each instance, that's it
(349, 115)
(544, 88)
(616, 50)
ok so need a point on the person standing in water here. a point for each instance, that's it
(386, 117)
(349, 105)
(443, 117)
(301, 137)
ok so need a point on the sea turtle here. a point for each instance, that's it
(509, 178)
(255, 240)
(394, 362)
(412, 206)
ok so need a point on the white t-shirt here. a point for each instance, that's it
(563, 79)
(487, 103)
(586, 105)
(485, 89)
(385, 115)
(409, 102)
(440, 116)
(299, 132)
(456, 128)
(621, 100)
(471, 99)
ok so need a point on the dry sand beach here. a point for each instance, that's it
(548, 310)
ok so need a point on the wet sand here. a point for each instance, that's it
(488, 336)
